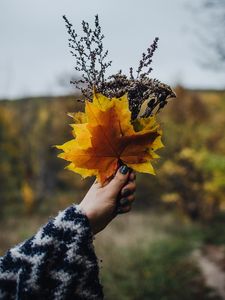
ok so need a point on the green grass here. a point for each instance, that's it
(149, 256)
(163, 271)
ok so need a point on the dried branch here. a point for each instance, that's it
(145, 62)
(90, 57)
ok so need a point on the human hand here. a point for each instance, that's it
(102, 203)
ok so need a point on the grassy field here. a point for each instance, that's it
(150, 256)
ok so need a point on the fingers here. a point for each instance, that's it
(128, 201)
(127, 197)
(122, 188)
(128, 189)
(125, 204)
(123, 210)
(116, 184)
(132, 176)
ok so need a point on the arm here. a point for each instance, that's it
(59, 262)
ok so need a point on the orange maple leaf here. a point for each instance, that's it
(105, 138)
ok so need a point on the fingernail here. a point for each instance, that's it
(119, 210)
(126, 192)
(124, 169)
(124, 201)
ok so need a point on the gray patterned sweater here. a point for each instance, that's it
(57, 263)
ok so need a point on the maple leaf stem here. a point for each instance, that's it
(120, 162)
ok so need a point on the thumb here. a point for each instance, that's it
(119, 180)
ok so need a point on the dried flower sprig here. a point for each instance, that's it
(146, 95)
(89, 55)
(146, 60)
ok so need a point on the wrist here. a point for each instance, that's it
(89, 215)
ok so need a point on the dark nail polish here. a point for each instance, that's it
(124, 169)
(119, 210)
(126, 192)
(124, 201)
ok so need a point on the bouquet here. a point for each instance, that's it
(118, 125)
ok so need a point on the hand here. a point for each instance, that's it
(102, 203)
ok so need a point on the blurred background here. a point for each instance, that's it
(172, 245)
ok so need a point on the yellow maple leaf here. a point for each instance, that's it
(105, 138)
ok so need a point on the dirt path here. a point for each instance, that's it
(212, 264)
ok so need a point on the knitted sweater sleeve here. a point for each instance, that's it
(58, 262)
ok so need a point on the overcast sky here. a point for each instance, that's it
(34, 53)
